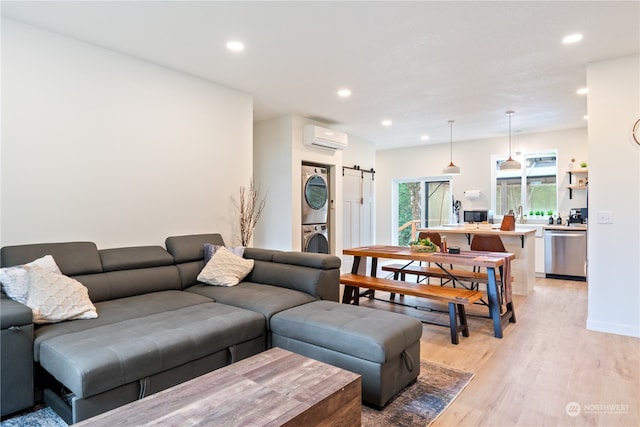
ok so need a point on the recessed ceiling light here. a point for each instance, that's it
(582, 91)
(424, 137)
(586, 117)
(344, 93)
(572, 38)
(386, 123)
(235, 46)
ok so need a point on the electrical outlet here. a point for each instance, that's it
(605, 217)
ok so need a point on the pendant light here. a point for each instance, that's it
(451, 169)
(510, 164)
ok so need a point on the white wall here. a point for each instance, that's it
(614, 186)
(474, 160)
(272, 174)
(101, 146)
(360, 153)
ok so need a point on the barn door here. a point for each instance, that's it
(358, 211)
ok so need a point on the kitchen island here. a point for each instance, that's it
(519, 242)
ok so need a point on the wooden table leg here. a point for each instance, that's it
(494, 303)
(512, 317)
(348, 294)
(453, 323)
(356, 264)
(462, 315)
(351, 295)
(374, 267)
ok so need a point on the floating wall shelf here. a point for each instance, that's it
(579, 185)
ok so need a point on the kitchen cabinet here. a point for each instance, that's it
(577, 180)
(539, 257)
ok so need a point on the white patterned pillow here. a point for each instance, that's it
(55, 297)
(225, 269)
(15, 281)
(210, 249)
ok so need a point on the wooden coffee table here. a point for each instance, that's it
(272, 388)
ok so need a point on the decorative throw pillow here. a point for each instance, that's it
(225, 269)
(15, 281)
(55, 297)
(210, 249)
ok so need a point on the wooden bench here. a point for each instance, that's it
(456, 298)
(401, 270)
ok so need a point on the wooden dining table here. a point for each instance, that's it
(492, 261)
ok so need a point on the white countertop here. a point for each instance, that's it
(581, 227)
(519, 231)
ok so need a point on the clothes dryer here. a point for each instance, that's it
(315, 194)
(315, 238)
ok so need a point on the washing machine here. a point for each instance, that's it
(315, 238)
(315, 194)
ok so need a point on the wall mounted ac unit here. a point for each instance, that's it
(317, 136)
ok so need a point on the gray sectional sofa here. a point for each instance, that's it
(157, 326)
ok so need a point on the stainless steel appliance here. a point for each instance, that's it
(576, 217)
(565, 253)
(315, 238)
(315, 194)
(478, 215)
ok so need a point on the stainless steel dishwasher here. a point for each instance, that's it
(565, 253)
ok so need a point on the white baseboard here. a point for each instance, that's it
(614, 328)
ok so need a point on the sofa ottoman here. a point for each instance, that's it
(383, 347)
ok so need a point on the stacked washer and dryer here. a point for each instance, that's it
(315, 209)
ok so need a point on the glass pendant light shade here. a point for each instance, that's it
(510, 164)
(451, 169)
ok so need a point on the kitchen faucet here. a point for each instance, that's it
(520, 217)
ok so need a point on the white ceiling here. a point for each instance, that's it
(418, 64)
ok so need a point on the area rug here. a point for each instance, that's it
(417, 405)
(422, 402)
(40, 417)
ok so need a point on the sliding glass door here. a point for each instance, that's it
(420, 203)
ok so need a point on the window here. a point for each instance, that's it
(424, 200)
(534, 187)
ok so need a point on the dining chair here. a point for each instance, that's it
(432, 235)
(490, 243)
(437, 240)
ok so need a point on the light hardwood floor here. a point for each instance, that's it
(545, 361)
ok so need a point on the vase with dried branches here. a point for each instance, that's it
(250, 207)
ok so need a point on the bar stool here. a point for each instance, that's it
(489, 243)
